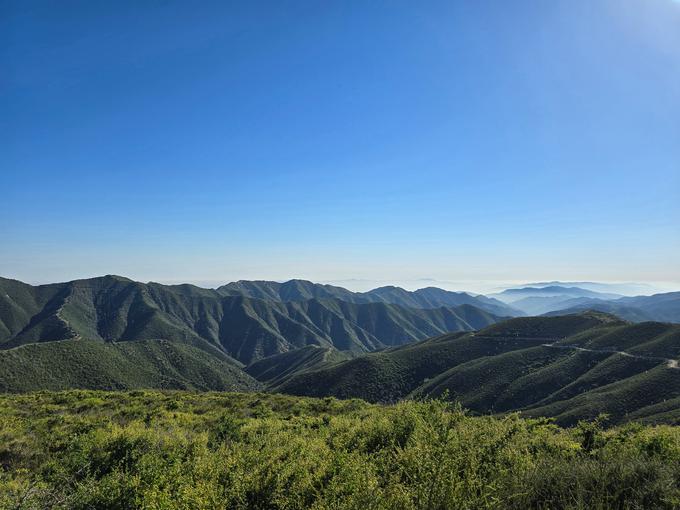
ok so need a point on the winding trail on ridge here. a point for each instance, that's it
(671, 363)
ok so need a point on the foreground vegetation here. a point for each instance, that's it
(147, 449)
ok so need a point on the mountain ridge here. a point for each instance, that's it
(112, 308)
(427, 297)
(569, 367)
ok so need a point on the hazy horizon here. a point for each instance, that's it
(487, 287)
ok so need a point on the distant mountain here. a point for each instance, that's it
(220, 321)
(545, 305)
(659, 307)
(571, 367)
(513, 296)
(114, 333)
(624, 289)
(556, 300)
(427, 298)
(432, 297)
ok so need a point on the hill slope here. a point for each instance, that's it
(96, 365)
(571, 367)
(275, 369)
(117, 309)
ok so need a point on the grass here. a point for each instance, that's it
(172, 450)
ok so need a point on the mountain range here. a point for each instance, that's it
(560, 299)
(384, 345)
(569, 367)
(426, 298)
(261, 320)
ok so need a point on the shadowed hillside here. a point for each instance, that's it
(112, 308)
(277, 368)
(571, 367)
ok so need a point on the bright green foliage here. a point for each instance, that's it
(152, 450)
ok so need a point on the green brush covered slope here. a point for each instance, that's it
(112, 332)
(112, 308)
(97, 365)
(572, 367)
(277, 368)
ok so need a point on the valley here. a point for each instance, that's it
(381, 346)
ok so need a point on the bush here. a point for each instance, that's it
(78, 450)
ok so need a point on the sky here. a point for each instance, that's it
(458, 141)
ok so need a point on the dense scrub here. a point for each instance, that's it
(91, 449)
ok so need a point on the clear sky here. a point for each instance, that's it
(459, 140)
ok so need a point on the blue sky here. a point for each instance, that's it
(462, 141)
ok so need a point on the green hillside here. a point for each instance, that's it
(390, 375)
(275, 369)
(82, 450)
(393, 374)
(117, 309)
(125, 365)
(114, 333)
(641, 397)
(572, 367)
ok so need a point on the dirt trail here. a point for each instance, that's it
(671, 363)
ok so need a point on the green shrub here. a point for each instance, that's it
(97, 450)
